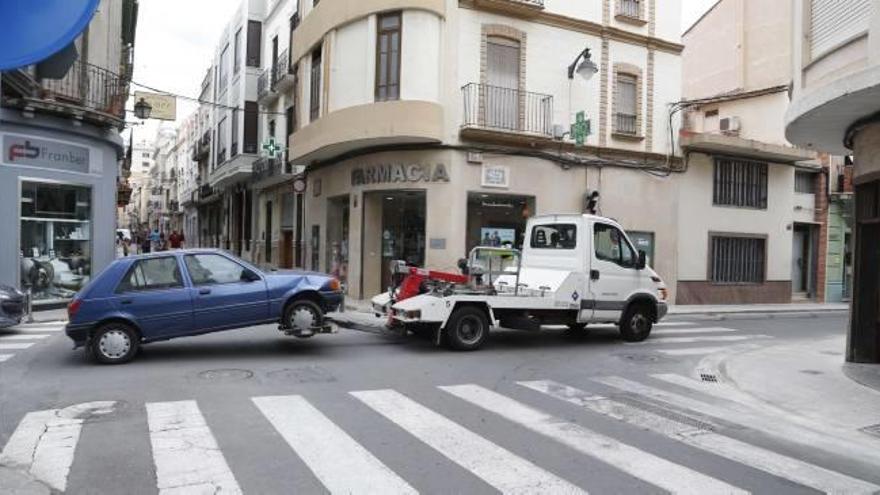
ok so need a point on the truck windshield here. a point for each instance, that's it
(554, 236)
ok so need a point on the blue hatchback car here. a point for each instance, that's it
(160, 296)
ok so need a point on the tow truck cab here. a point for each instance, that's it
(573, 270)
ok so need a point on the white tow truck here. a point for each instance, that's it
(573, 270)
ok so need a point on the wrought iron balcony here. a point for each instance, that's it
(265, 87)
(202, 147)
(86, 91)
(266, 168)
(507, 109)
(283, 77)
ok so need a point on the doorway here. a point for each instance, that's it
(267, 236)
(803, 263)
(286, 260)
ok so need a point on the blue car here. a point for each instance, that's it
(164, 295)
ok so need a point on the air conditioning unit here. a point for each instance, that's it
(730, 126)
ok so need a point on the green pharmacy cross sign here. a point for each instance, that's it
(581, 128)
(272, 148)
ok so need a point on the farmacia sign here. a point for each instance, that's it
(391, 173)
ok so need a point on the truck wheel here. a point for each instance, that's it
(467, 329)
(636, 323)
(114, 343)
(303, 316)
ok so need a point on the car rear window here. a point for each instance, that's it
(151, 274)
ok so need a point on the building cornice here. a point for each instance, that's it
(583, 26)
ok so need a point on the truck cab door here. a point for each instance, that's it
(613, 272)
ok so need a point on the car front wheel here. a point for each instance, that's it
(114, 343)
(302, 318)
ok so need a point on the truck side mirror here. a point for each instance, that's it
(643, 260)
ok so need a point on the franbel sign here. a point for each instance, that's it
(164, 106)
(33, 152)
(401, 173)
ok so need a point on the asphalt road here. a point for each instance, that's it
(255, 411)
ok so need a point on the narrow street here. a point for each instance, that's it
(254, 411)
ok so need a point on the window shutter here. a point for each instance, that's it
(835, 21)
(254, 42)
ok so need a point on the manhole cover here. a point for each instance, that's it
(811, 372)
(305, 374)
(230, 374)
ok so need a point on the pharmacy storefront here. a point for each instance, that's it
(428, 208)
(58, 188)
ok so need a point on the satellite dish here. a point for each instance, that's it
(34, 31)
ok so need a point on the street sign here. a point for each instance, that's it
(34, 31)
(272, 148)
(581, 128)
(164, 106)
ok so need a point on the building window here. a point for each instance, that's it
(145, 155)
(56, 239)
(236, 54)
(272, 129)
(251, 127)
(388, 57)
(630, 8)
(224, 67)
(233, 150)
(296, 96)
(737, 259)
(833, 22)
(315, 86)
(740, 183)
(626, 101)
(254, 42)
(145, 164)
(221, 142)
(805, 183)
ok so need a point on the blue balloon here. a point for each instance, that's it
(34, 30)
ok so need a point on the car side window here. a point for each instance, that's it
(152, 274)
(213, 269)
(554, 236)
(611, 245)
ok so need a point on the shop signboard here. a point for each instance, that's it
(164, 106)
(34, 152)
(496, 176)
(398, 173)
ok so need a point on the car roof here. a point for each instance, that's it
(175, 252)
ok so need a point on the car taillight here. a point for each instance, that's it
(73, 308)
(334, 284)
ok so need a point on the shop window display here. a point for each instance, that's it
(56, 239)
(337, 238)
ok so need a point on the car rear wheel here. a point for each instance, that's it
(302, 317)
(467, 329)
(114, 343)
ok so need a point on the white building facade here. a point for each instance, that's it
(430, 126)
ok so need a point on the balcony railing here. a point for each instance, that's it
(264, 84)
(101, 92)
(625, 124)
(507, 109)
(265, 168)
(282, 75)
(202, 147)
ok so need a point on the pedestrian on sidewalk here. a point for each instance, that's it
(176, 240)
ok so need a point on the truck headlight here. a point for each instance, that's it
(412, 315)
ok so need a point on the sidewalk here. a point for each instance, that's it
(807, 379)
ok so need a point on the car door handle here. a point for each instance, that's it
(204, 292)
(594, 274)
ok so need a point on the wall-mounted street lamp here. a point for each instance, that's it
(142, 109)
(586, 69)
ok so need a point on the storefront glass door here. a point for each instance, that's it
(56, 239)
(403, 230)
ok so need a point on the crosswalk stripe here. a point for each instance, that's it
(495, 465)
(686, 331)
(755, 457)
(5, 357)
(38, 329)
(674, 324)
(643, 465)
(15, 346)
(43, 445)
(706, 338)
(185, 452)
(342, 464)
(777, 427)
(33, 336)
(691, 351)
